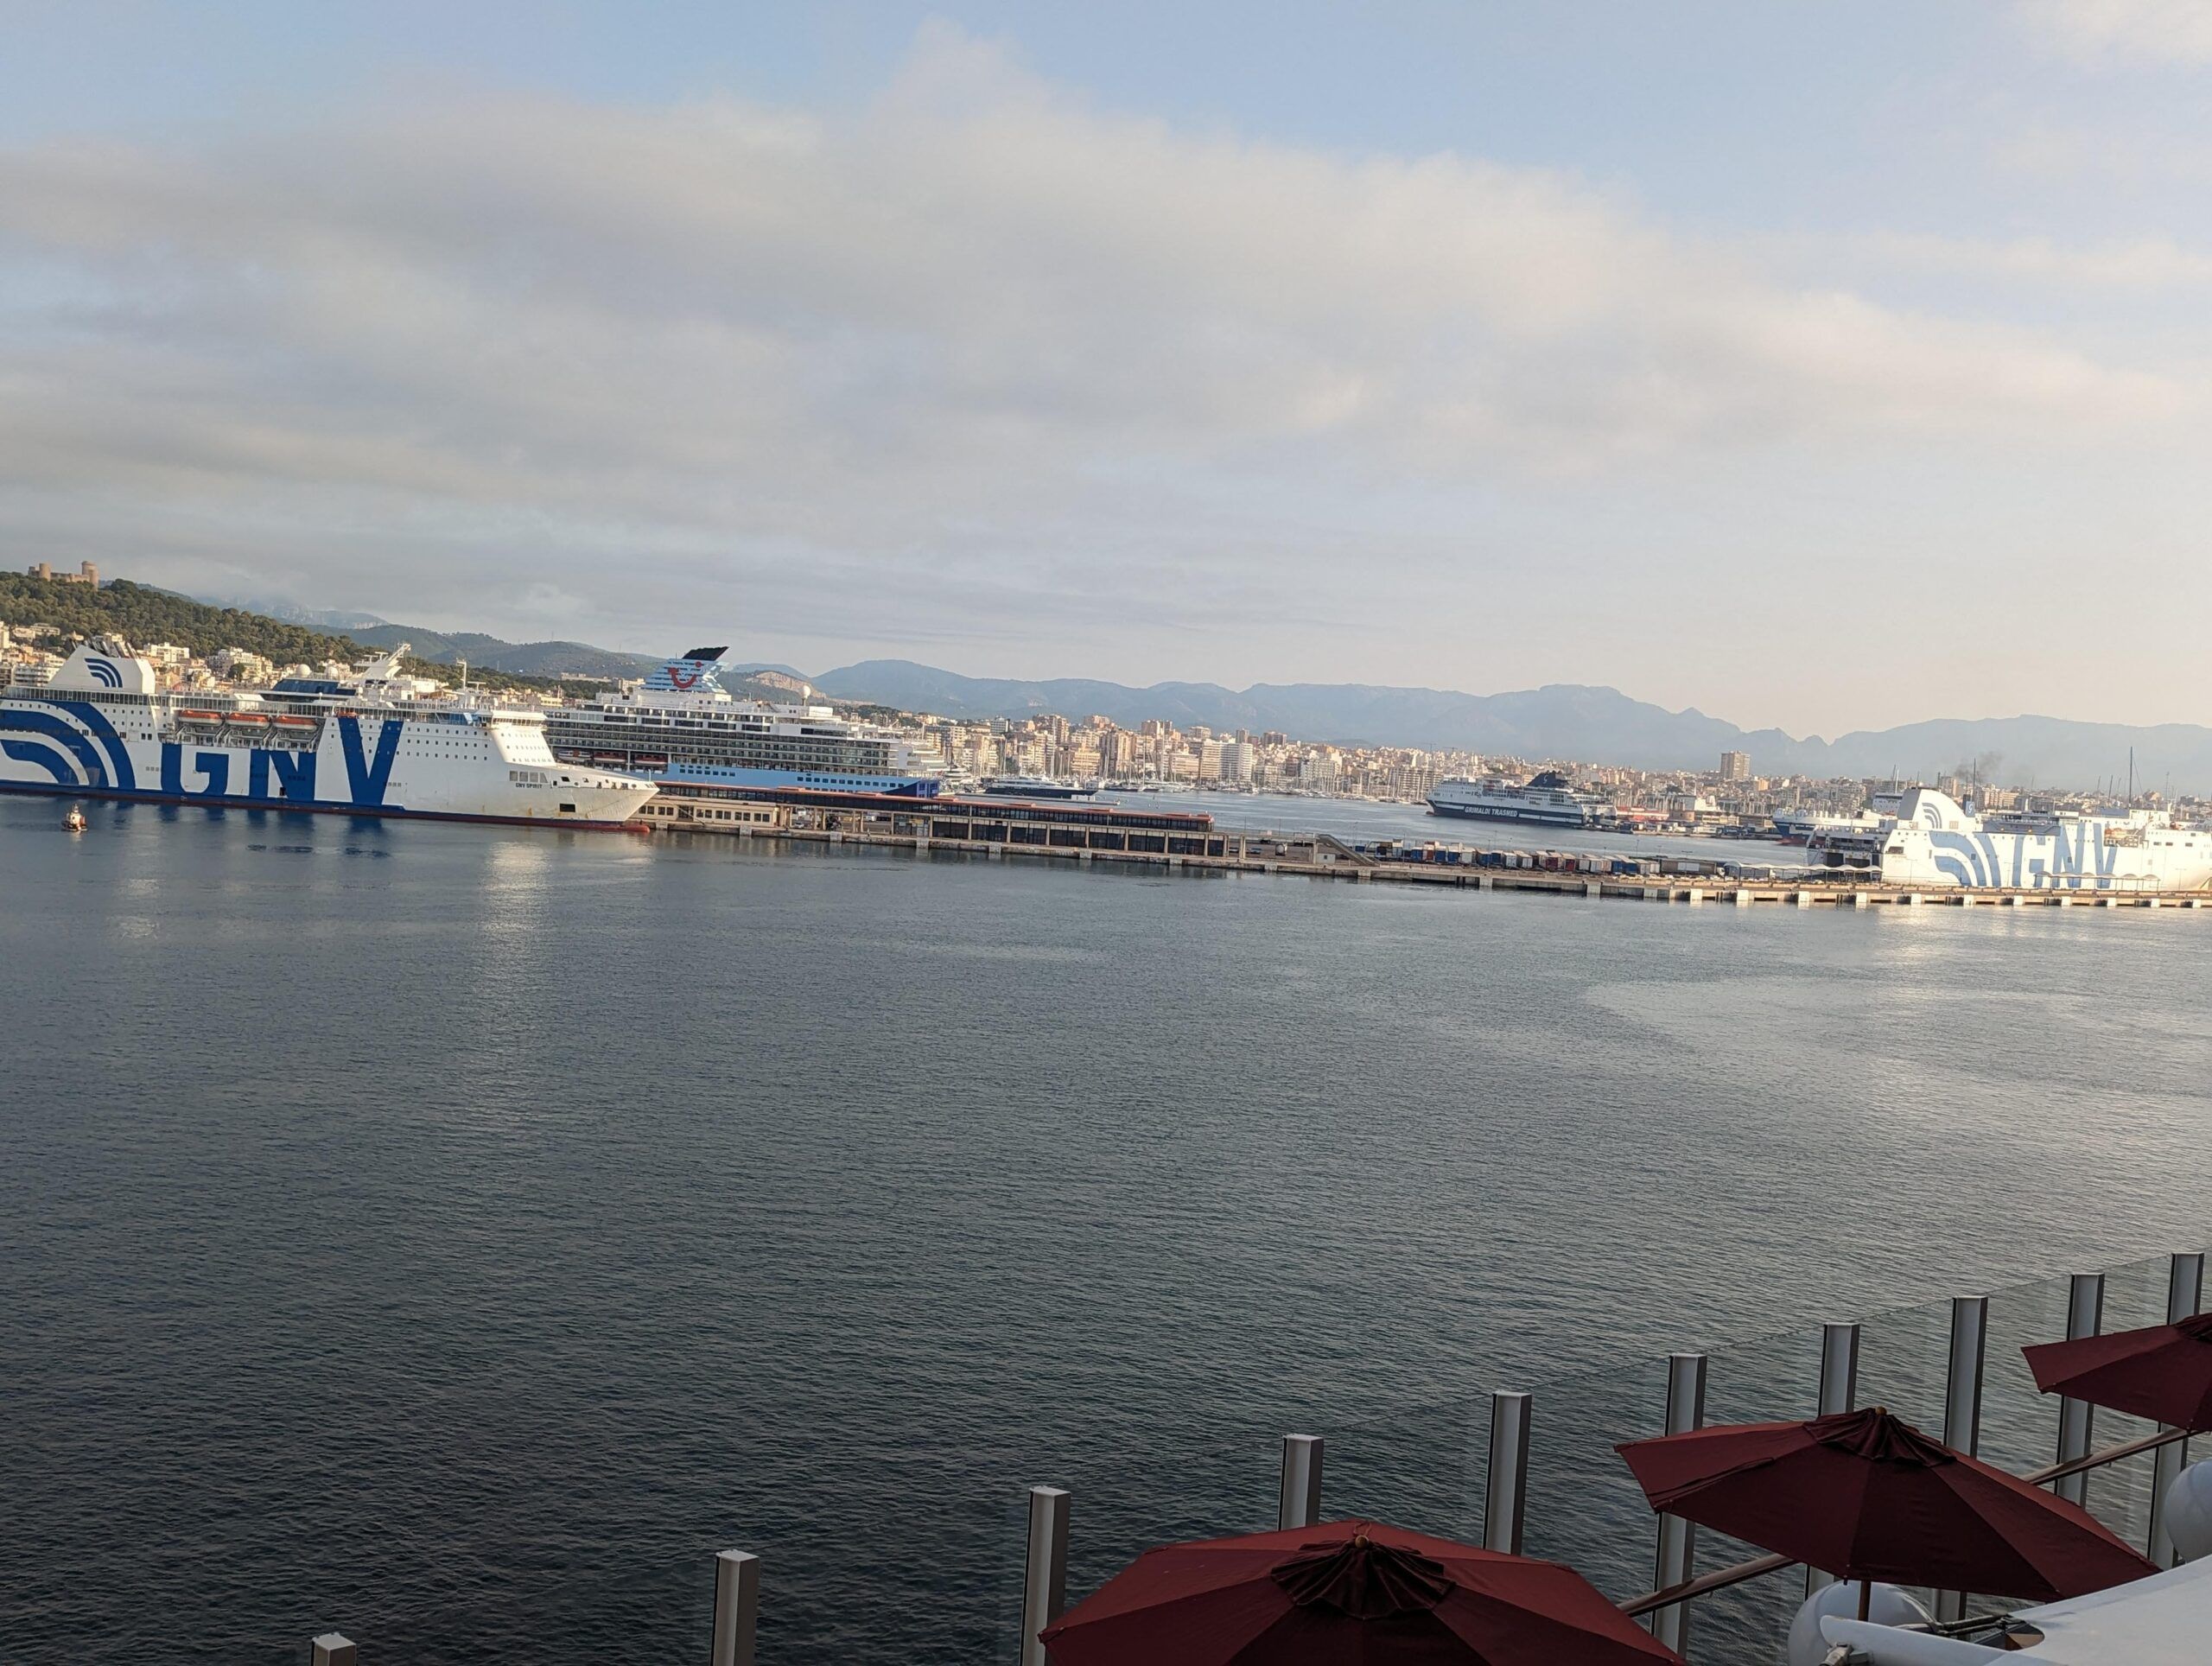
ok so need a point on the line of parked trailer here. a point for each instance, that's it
(1593, 863)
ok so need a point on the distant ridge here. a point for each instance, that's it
(553, 658)
(1560, 721)
(1598, 725)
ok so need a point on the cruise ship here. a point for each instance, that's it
(1549, 800)
(1936, 841)
(681, 724)
(380, 744)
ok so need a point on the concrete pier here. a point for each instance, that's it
(1181, 842)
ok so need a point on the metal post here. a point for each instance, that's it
(1507, 1505)
(1678, 1538)
(1045, 1577)
(1299, 1504)
(2085, 1316)
(737, 1607)
(332, 1649)
(1962, 1404)
(2184, 1294)
(1838, 1391)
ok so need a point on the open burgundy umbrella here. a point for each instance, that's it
(1865, 1496)
(1345, 1594)
(2162, 1372)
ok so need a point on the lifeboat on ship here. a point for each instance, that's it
(250, 720)
(199, 719)
(292, 723)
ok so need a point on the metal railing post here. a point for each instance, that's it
(1838, 1391)
(1962, 1404)
(1677, 1557)
(737, 1607)
(332, 1649)
(1299, 1504)
(2085, 1316)
(1044, 1573)
(1506, 1506)
(2184, 1295)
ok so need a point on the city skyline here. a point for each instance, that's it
(1810, 376)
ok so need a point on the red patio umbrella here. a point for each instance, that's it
(1865, 1496)
(1345, 1594)
(2162, 1372)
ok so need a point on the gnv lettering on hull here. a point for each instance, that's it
(285, 777)
(366, 778)
(294, 773)
(214, 765)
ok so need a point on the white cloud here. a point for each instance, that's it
(977, 357)
(2143, 265)
(2141, 31)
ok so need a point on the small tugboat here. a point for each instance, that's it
(74, 821)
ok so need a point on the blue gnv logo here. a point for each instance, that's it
(286, 777)
(105, 672)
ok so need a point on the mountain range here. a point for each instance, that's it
(1560, 721)
(1567, 721)
(554, 657)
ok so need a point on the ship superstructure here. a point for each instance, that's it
(1549, 800)
(1936, 841)
(1814, 826)
(377, 743)
(1036, 786)
(681, 724)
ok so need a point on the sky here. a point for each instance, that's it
(1830, 366)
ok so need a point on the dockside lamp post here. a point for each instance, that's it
(1838, 1391)
(1045, 1570)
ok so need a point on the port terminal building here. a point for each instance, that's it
(1056, 827)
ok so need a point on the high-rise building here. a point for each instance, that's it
(1735, 766)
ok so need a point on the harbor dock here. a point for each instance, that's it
(1192, 842)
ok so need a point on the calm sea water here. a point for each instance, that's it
(455, 1235)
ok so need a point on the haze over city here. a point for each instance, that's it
(1830, 368)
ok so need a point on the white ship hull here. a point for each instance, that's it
(1937, 843)
(1545, 802)
(120, 740)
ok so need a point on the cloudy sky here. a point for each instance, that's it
(1827, 365)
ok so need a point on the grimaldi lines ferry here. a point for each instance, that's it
(681, 724)
(1936, 841)
(381, 745)
(1549, 800)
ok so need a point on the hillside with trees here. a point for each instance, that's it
(141, 615)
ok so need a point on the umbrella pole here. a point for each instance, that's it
(1865, 1597)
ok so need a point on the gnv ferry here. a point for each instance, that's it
(1936, 841)
(681, 724)
(384, 747)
